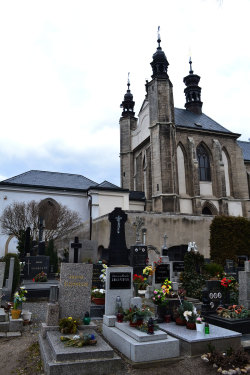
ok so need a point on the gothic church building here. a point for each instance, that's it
(184, 161)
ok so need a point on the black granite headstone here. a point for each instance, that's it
(118, 252)
(35, 265)
(27, 242)
(211, 296)
(97, 271)
(178, 266)
(162, 273)
(177, 252)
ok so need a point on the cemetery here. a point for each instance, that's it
(147, 311)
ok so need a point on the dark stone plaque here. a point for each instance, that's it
(97, 271)
(120, 280)
(177, 252)
(211, 296)
(162, 273)
(35, 265)
(138, 256)
(178, 266)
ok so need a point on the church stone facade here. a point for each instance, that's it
(185, 162)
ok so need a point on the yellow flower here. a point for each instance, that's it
(69, 318)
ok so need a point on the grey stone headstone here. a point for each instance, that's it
(244, 288)
(75, 289)
(87, 251)
(2, 269)
(119, 282)
(11, 273)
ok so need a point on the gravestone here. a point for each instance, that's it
(162, 273)
(41, 243)
(138, 258)
(118, 252)
(34, 265)
(244, 286)
(118, 283)
(211, 296)
(177, 253)
(7, 290)
(2, 269)
(75, 289)
(164, 249)
(97, 271)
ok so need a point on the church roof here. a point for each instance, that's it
(55, 180)
(245, 146)
(188, 119)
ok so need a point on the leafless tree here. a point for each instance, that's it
(20, 215)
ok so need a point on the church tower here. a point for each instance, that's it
(162, 135)
(127, 124)
(193, 92)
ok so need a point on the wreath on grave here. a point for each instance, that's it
(79, 341)
(68, 325)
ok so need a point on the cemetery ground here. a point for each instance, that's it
(21, 356)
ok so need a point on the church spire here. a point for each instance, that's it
(128, 103)
(160, 62)
(192, 91)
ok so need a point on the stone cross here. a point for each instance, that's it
(138, 223)
(164, 247)
(76, 245)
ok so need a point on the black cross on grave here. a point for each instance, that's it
(76, 245)
(118, 252)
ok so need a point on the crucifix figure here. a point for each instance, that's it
(164, 247)
(76, 245)
(139, 222)
(118, 219)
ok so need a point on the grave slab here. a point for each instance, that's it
(95, 366)
(15, 324)
(13, 334)
(194, 343)
(2, 315)
(139, 335)
(60, 352)
(141, 351)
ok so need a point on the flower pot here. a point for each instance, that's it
(26, 315)
(167, 318)
(98, 301)
(190, 325)
(132, 324)
(180, 322)
(15, 314)
(119, 317)
(139, 322)
(136, 287)
(200, 327)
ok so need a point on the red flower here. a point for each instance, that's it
(33, 280)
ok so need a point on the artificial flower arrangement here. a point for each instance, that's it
(148, 271)
(98, 293)
(199, 320)
(102, 277)
(160, 296)
(139, 281)
(184, 306)
(19, 297)
(190, 316)
(233, 312)
(135, 314)
(40, 277)
(80, 340)
(68, 325)
(229, 282)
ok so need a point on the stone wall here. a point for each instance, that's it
(180, 229)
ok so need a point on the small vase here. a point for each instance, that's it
(200, 327)
(180, 322)
(119, 317)
(136, 287)
(191, 326)
(167, 318)
(15, 314)
(132, 324)
(150, 279)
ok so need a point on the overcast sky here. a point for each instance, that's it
(64, 65)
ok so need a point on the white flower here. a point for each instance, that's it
(76, 337)
(186, 314)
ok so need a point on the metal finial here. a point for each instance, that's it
(190, 63)
(159, 38)
(128, 80)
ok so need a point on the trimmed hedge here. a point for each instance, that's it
(229, 237)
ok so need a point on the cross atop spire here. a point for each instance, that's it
(159, 38)
(190, 63)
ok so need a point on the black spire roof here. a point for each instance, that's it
(128, 103)
(192, 91)
(160, 62)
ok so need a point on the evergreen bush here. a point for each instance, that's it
(193, 278)
(229, 237)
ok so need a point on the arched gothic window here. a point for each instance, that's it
(204, 164)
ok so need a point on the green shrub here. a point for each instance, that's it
(213, 269)
(229, 237)
(193, 278)
(16, 275)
